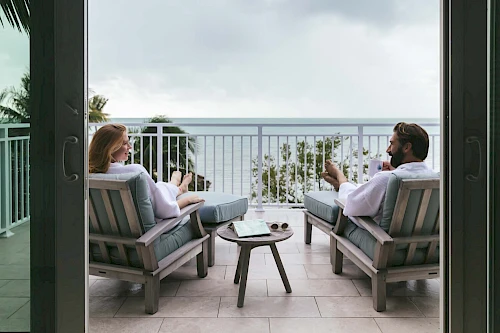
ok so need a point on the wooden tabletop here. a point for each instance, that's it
(276, 236)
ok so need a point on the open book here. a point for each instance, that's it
(250, 228)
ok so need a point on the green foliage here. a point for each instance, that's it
(96, 106)
(173, 151)
(17, 14)
(304, 170)
(15, 103)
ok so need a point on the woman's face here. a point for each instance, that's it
(122, 154)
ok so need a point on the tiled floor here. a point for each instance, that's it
(321, 301)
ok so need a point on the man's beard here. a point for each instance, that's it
(397, 158)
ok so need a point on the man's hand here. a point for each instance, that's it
(386, 166)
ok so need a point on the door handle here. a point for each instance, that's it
(471, 140)
(73, 177)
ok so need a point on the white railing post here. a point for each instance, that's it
(259, 169)
(5, 184)
(159, 152)
(360, 155)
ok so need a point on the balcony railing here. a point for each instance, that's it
(14, 176)
(273, 165)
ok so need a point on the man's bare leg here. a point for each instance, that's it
(330, 180)
(334, 172)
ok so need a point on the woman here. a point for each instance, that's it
(110, 146)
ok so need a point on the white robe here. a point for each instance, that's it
(163, 195)
(368, 199)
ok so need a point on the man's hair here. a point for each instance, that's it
(416, 135)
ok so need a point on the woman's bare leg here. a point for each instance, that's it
(183, 188)
(176, 178)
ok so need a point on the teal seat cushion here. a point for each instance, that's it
(140, 195)
(322, 204)
(220, 207)
(165, 245)
(366, 242)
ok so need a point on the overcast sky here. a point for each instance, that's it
(257, 58)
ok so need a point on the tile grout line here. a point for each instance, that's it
(317, 306)
(411, 301)
(220, 303)
(19, 307)
(159, 328)
(119, 308)
(376, 323)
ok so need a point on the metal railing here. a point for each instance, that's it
(14, 176)
(270, 164)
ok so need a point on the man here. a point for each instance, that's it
(408, 149)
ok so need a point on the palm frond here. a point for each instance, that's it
(17, 14)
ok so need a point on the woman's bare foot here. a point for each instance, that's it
(185, 183)
(176, 178)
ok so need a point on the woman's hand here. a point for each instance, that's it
(195, 199)
(386, 166)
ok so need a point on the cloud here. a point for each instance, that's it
(274, 58)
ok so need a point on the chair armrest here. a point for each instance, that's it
(341, 219)
(373, 228)
(166, 225)
(340, 202)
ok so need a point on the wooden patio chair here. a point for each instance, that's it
(126, 243)
(405, 246)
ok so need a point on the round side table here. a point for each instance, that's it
(247, 244)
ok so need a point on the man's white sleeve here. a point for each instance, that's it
(366, 199)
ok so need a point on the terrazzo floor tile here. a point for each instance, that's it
(211, 325)
(323, 325)
(325, 272)
(427, 288)
(428, 305)
(220, 288)
(125, 325)
(16, 288)
(269, 272)
(363, 307)
(408, 325)
(200, 307)
(9, 305)
(124, 288)
(100, 306)
(294, 307)
(313, 288)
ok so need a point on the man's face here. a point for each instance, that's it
(395, 150)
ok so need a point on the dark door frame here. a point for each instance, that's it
(464, 84)
(59, 260)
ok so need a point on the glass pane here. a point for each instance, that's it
(14, 180)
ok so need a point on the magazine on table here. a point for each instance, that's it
(249, 228)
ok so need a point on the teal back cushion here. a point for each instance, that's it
(412, 205)
(140, 194)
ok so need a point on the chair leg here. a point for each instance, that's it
(336, 257)
(211, 247)
(152, 294)
(202, 260)
(379, 292)
(307, 230)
